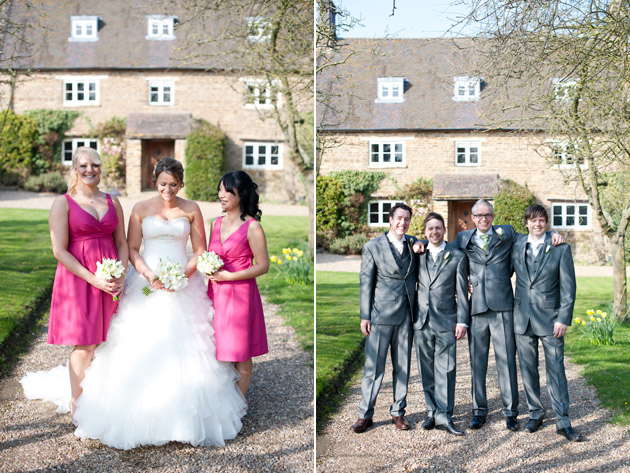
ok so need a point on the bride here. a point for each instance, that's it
(156, 379)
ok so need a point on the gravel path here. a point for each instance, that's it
(492, 449)
(277, 433)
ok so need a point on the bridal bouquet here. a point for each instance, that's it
(171, 274)
(109, 269)
(209, 263)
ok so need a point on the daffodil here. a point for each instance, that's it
(583, 323)
(279, 261)
(604, 315)
(295, 250)
(273, 259)
(589, 312)
(599, 312)
(286, 251)
(598, 319)
(592, 319)
(288, 258)
(578, 320)
(300, 253)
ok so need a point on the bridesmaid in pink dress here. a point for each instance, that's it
(238, 237)
(86, 225)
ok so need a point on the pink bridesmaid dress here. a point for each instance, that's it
(239, 323)
(79, 312)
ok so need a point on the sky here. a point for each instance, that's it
(411, 19)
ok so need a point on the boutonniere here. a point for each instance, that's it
(447, 256)
(499, 232)
(548, 249)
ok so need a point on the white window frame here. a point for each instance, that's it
(381, 153)
(562, 87)
(256, 155)
(467, 144)
(79, 26)
(74, 144)
(258, 29)
(262, 96)
(381, 213)
(160, 21)
(77, 83)
(564, 207)
(390, 90)
(559, 149)
(471, 86)
(160, 84)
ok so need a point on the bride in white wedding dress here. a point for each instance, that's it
(156, 379)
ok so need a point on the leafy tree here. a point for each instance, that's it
(510, 204)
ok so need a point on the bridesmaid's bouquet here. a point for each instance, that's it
(109, 269)
(171, 274)
(209, 263)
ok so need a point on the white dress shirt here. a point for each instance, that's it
(536, 244)
(435, 250)
(476, 238)
(398, 244)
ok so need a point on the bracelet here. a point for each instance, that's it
(152, 280)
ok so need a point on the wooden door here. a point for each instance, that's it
(152, 152)
(459, 217)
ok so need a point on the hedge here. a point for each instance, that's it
(205, 161)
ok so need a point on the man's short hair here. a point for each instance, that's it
(535, 211)
(434, 216)
(400, 206)
(479, 203)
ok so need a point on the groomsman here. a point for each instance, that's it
(441, 318)
(543, 308)
(387, 291)
(489, 249)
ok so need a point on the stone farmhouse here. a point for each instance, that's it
(116, 58)
(415, 108)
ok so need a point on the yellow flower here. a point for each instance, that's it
(578, 320)
(598, 319)
(592, 319)
(272, 259)
(300, 253)
(288, 258)
(589, 312)
(279, 261)
(599, 312)
(604, 314)
(286, 251)
(295, 250)
(583, 323)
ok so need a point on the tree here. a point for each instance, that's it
(563, 68)
(271, 40)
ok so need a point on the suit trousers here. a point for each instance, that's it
(527, 345)
(500, 327)
(436, 352)
(381, 338)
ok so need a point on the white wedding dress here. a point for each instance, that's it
(156, 379)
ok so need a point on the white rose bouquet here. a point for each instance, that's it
(171, 274)
(109, 269)
(209, 262)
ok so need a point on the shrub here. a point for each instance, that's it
(50, 182)
(349, 245)
(329, 199)
(510, 204)
(205, 161)
(419, 196)
(17, 139)
(295, 266)
(111, 134)
(51, 128)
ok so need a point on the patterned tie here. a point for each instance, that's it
(486, 241)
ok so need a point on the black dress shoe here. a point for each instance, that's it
(570, 434)
(449, 427)
(511, 423)
(477, 422)
(361, 424)
(429, 423)
(533, 425)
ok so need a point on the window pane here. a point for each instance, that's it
(583, 210)
(461, 90)
(167, 97)
(93, 144)
(570, 210)
(387, 157)
(69, 86)
(249, 149)
(395, 91)
(375, 148)
(79, 29)
(274, 150)
(80, 96)
(374, 207)
(249, 160)
(165, 29)
(262, 158)
(582, 221)
(557, 210)
(570, 221)
(92, 97)
(474, 159)
(385, 91)
(68, 95)
(154, 29)
(471, 89)
(557, 221)
(398, 157)
(387, 207)
(154, 97)
(398, 147)
(92, 86)
(80, 86)
(80, 143)
(88, 30)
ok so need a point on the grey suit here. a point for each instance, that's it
(545, 294)
(387, 288)
(438, 310)
(491, 310)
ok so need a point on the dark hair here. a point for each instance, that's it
(246, 189)
(434, 216)
(170, 166)
(535, 211)
(400, 206)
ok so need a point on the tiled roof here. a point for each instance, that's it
(159, 125)
(429, 66)
(465, 186)
(43, 43)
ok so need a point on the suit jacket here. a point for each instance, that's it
(490, 270)
(387, 292)
(435, 296)
(548, 295)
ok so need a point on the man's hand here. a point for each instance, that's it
(557, 239)
(366, 326)
(470, 288)
(460, 332)
(418, 247)
(559, 330)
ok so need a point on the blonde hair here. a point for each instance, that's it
(81, 151)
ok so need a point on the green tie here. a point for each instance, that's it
(486, 241)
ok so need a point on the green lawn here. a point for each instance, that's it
(339, 338)
(339, 348)
(606, 368)
(27, 268)
(296, 301)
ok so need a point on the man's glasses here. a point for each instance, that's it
(486, 216)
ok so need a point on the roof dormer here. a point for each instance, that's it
(466, 89)
(160, 27)
(83, 28)
(390, 90)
